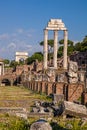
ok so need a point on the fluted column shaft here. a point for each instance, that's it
(55, 49)
(45, 48)
(65, 49)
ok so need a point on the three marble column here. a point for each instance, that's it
(55, 49)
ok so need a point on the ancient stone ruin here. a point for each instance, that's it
(40, 125)
(73, 72)
(55, 25)
(65, 80)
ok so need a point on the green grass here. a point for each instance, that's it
(19, 97)
(61, 124)
(22, 97)
(13, 123)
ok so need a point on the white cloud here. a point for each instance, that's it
(20, 30)
(4, 36)
(19, 40)
(31, 30)
(14, 34)
(29, 35)
(11, 45)
(28, 46)
(2, 50)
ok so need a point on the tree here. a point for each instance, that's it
(50, 45)
(21, 62)
(36, 56)
(13, 63)
(50, 42)
(6, 61)
(81, 46)
(60, 51)
(70, 43)
(29, 60)
(84, 44)
(85, 40)
(77, 46)
(70, 47)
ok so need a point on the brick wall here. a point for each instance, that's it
(43, 87)
(84, 98)
(59, 88)
(75, 91)
(72, 92)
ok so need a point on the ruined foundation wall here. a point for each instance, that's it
(72, 92)
(75, 91)
(84, 98)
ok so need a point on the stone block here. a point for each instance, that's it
(52, 26)
(74, 109)
(56, 20)
(73, 72)
(58, 98)
(41, 125)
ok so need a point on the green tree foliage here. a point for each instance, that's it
(84, 44)
(60, 51)
(85, 41)
(70, 48)
(50, 48)
(6, 61)
(50, 44)
(70, 43)
(36, 56)
(29, 60)
(13, 63)
(77, 46)
(81, 46)
(21, 62)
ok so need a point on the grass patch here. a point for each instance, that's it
(19, 96)
(13, 123)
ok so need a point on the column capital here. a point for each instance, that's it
(45, 29)
(65, 31)
(45, 32)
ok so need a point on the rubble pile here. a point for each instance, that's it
(60, 107)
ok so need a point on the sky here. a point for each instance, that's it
(22, 23)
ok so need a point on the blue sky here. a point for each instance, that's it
(22, 23)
